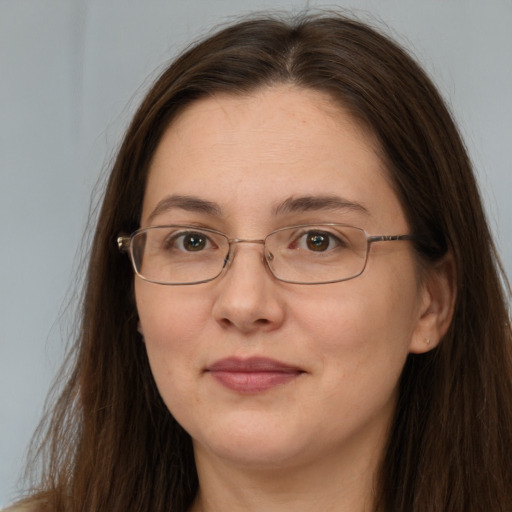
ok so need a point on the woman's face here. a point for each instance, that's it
(328, 356)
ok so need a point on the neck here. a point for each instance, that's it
(332, 483)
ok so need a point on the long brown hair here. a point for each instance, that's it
(111, 444)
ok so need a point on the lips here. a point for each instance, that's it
(253, 375)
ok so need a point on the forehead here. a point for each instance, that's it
(249, 153)
(289, 111)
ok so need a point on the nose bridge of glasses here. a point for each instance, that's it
(233, 242)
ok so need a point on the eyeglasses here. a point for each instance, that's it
(303, 254)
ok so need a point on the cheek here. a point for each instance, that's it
(362, 354)
(167, 315)
(171, 324)
(361, 331)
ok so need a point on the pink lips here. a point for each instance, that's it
(252, 375)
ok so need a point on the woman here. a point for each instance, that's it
(311, 313)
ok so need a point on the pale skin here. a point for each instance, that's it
(315, 442)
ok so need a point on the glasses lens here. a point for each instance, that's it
(317, 253)
(178, 254)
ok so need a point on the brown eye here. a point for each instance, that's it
(194, 242)
(187, 241)
(318, 241)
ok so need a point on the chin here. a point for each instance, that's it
(249, 456)
(254, 446)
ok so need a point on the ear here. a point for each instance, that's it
(436, 305)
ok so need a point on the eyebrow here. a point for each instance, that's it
(290, 205)
(315, 203)
(188, 203)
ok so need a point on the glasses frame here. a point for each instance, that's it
(125, 244)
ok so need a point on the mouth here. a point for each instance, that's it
(253, 375)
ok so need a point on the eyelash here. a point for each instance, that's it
(172, 241)
(178, 239)
(333, 240)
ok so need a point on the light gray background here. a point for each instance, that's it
(70, 77)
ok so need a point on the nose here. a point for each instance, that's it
(248, 298)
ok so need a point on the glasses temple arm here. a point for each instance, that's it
(391, 238)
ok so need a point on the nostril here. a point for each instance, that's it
(226, 322)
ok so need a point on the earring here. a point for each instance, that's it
(427, 341)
